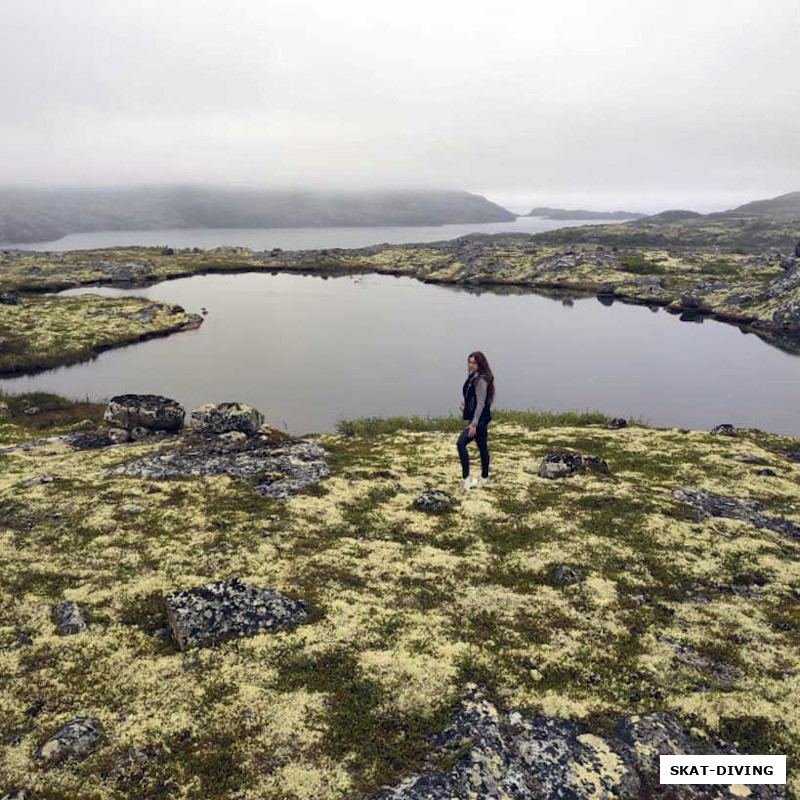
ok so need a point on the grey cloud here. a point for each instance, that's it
(581, 99)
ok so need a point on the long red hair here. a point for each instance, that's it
(485, 370)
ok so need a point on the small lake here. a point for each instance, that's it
(308, 351)
(293, 238)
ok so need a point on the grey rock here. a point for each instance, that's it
(15, 794)
(513, 756)
(792, 455)
(565, 575)
(69, 618)
(767, 473)
(118, 436)
(747, 458)
(562, 465)
(617, 423)
(9, 298)
(93, 440)
(216, 612)
(277, 468)
(150, 411)
(435, 501)
(725, 429)
(225, 418)
(708, 505)
(77, 739)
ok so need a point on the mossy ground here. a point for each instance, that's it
(698, 618)
(43, 332)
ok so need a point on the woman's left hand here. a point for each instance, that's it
(472, 431)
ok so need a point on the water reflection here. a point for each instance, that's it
(308, 351)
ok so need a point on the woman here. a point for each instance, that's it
(478, 394)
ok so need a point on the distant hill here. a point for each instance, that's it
(783, 207)
(751, 228)
(545, 212)
(673, 215)
(48, 214)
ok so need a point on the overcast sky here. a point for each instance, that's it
(592, 103)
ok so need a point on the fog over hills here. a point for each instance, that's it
(28, 215)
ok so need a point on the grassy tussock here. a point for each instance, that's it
(532, 419)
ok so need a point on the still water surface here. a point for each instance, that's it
(294, 238)
(308, 351)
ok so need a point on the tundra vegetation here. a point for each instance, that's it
(662, 609)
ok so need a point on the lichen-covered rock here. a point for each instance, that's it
(565, 575)
(9, 298)
(94, 440)
(216, 612)
(150, 411)
(225, 418)
(725, 429)
(706, 505)
(435, 501)
(511, 756)
(69, 618)
(277, 468)
(562, 465)
(77, 739)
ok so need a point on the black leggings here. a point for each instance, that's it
(481, 438)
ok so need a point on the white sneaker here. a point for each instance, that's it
(485, 481)
(469, 483)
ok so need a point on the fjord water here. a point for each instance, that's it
(308, 351)
(293, 238)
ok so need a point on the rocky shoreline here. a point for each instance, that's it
(758, 293)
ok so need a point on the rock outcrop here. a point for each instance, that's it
(276, 468)
(216, 612)
(725, 429)
(69, 618)
(435, 501)
(562, 465)
(150, 412)
(705, 505)
(77, 739)
(225, 418)
(511, 756)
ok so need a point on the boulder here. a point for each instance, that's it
(15, 794)
(69, 618)
(77, 739)
(725, 429)
(9, 298)
(220, 418)
(94, 440)
(150, 411)
(562, 465)
(617, 423)
(435, 501)
(792, 455)
(216, 612)
(565, 575)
